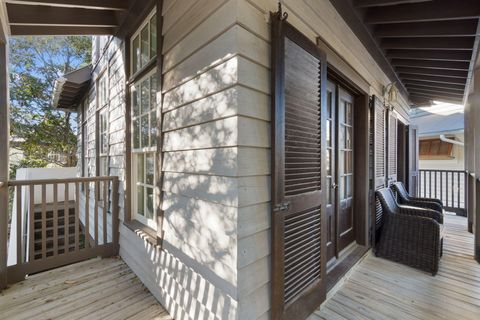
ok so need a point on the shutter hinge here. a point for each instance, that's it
(281, 206)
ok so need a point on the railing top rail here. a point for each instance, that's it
(443, 170)
(13, 183)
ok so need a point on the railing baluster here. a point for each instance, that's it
(95, 215)
(441, 185)
(19, 225)
(44, 221)
(425, 183)
(105, 207)
(55, 219)
(115, 231)
(66, 213)
(430, 183)
(447, 188)
(31, 215)
(458, 189)
(420, 183)
(77, 215)
(452, 184)
(87, 214)
(435, 180)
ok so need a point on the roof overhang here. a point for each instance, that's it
(70, 89)
(428, 47)
(65, 17)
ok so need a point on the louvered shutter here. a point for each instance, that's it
(392, 148)
(379, 134)
(298, 177)
(413, 160)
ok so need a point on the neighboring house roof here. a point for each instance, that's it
(69, 89)
(438, 120)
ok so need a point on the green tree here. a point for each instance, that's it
(38, 130)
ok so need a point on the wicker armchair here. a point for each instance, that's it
(404, 198)
(409, 235)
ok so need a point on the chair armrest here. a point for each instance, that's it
(421, 212)
(408, 227)
(424, 204)
(428, 200)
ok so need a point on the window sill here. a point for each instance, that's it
(144, 232)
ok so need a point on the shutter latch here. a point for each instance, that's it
(282, 206)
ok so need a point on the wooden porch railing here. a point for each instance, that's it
(446, 185)
(61, 221)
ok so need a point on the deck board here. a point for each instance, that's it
(381, 289)
(93, 289)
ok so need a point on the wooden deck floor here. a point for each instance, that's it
(94, 289)
(380, 289)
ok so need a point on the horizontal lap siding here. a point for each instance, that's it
(212, 88)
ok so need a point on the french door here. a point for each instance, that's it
(339, 204)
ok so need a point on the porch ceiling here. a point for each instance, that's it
(428, 46)
(65, 17)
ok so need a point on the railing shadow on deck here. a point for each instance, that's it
(56, 222)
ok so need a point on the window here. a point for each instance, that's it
(102, 91)
(84, 137)
(103, 142)
(144, 136)
(435, 149)
(143, 122)
(144, 44)
(90, 135)
(84, 146)
(102, 130)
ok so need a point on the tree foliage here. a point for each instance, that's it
(44, 135)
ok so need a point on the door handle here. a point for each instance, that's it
(334, 186)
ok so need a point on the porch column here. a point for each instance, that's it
(4, 155)
(475, 127)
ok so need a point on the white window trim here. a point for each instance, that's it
(152, 223)
(102, 108)
(138, 33)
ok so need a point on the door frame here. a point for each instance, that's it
(333, 206)
(339, 91)
(338, 72)
(344, 93)
(361, 163)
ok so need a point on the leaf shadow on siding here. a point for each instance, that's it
(196, 269)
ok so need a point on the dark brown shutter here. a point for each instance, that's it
(392, 148)
(413, 151)
(298, 177)
(380, 139)
(379, 133)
